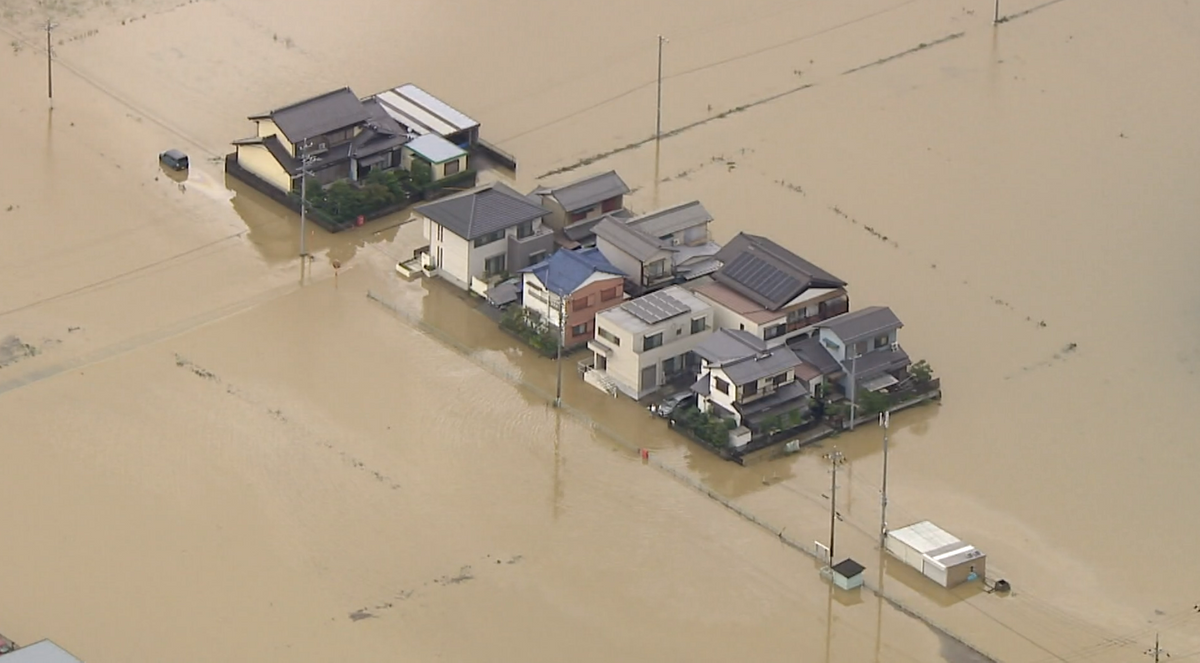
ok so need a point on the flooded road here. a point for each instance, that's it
(202, 449)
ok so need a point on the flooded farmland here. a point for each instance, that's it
(207, 447)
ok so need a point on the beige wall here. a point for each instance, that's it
(259, 160)
(268, 128)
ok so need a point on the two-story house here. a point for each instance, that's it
(481, 234)
(583, 199)
(865, 345)
(647, 342)
(669, 245)
(743, 379)
(578, 283)
(767, 290)
(343, 138)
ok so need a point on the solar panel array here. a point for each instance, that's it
(655, 307)
(761, 277)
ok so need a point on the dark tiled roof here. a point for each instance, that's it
(588, 191)
(767, 273)
(744, 357)
(482, 210)
(277, 150)
(813, 353)
(628, 239)
(863, 323)
(672, 219)
(873, 363)
(318, 115)
(784, 399)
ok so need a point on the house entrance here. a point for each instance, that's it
(650, 376)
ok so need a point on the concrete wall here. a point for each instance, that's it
(628, 360)
(520, 251)
(259, 160)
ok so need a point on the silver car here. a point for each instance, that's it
(672, 403)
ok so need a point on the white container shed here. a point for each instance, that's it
(937, 554)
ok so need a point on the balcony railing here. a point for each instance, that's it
(829, 312)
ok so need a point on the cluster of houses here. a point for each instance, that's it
(752, 330)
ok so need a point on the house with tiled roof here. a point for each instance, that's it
(579, 284)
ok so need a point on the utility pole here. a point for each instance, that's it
(853, 389)
(49, 64)
(562, 339)
(996, 17)
(836, 458)
(884, 419)
(305, 159)
(1157, 652)
(658, 123)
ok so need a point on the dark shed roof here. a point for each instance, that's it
(482, 210)
(863, 323)
(768, 274)
(848, 568)
(590, 190)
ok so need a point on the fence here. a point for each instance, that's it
(682, 477)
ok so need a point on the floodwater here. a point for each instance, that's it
(205, 448)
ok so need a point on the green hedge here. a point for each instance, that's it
(709, 428)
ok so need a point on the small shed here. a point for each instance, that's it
(444, 158)
(937, 554)
(422, 113)
(42, 651)
(847, 574)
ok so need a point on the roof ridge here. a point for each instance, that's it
(345, 88)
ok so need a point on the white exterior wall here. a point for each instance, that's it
(259, 160)
(834, 344)
(619, 259)
(478, 255)
(544, 303)
(717, 398)
(449, 252)
(627, 361)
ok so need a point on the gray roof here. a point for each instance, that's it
(435, 148)
(655, 307)
(318, 115)
(768, 274)
(630, 240)
(42, 651)
(863, 323)
(588, 191)
(811, 352)
(672, 219)
(875, 362)
(482, 210)
(744, 357)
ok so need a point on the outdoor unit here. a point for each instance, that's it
(937, 554)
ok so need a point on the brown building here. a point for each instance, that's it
(583, 283)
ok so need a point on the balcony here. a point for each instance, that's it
(829, 312)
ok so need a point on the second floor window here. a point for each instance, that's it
(721, 385)
(608, 336)
(774, 331)
(525, 230)
(608, 294)
(489, 238)
(657, 268)
(699, 325)
(750, 389)
(652, 341)
(882, 341)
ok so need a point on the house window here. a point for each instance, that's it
(536, 257)
(699, 325)
(489, 238)
(672, 365)
(608, 336)
(774, 331)
(831, 345)
(494, 265)
(580, 303)
(611, 204)
(525, 230)
(439, 233)
(882, 341)
(750, 389)
(608, 294)
(860, 348)
(721, 385)
(779, 379)
(798, 315)
(452, 167)
(579, 216)
(580, 330)
(652, 341)
(695, 234)
(656, 268)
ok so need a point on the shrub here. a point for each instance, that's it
(343, 201)
(921, 371)
(422, 173)
(872, 402)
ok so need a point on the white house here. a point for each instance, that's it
(479, 235)
(646, 342)
(743, 379)
(666, 246)
(770, 292)
(865, 344)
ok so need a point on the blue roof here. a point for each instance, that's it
(566, 270)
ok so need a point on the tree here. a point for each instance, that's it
(422, 173)
(921, 371)
(872, 402)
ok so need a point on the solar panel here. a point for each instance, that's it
(762, 277)
(655, 307)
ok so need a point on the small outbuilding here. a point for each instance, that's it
(847, 574)
(937, 554)
(43, 651)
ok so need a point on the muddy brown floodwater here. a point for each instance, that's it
(206, 449)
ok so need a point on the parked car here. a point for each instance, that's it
(672, 403)
(7, 645)
(174, 159)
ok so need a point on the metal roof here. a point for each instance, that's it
(43, 651)
(482, 210)
(565, 271)
(630, 240)
(655, 307)
(863, 323)
(437, 107)
(878, 361)
(671, 220)
(435, 148)
(318, 115)
(813, 353)
(588, 191)
(924, 537)
(848, 568)
(767, 273)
